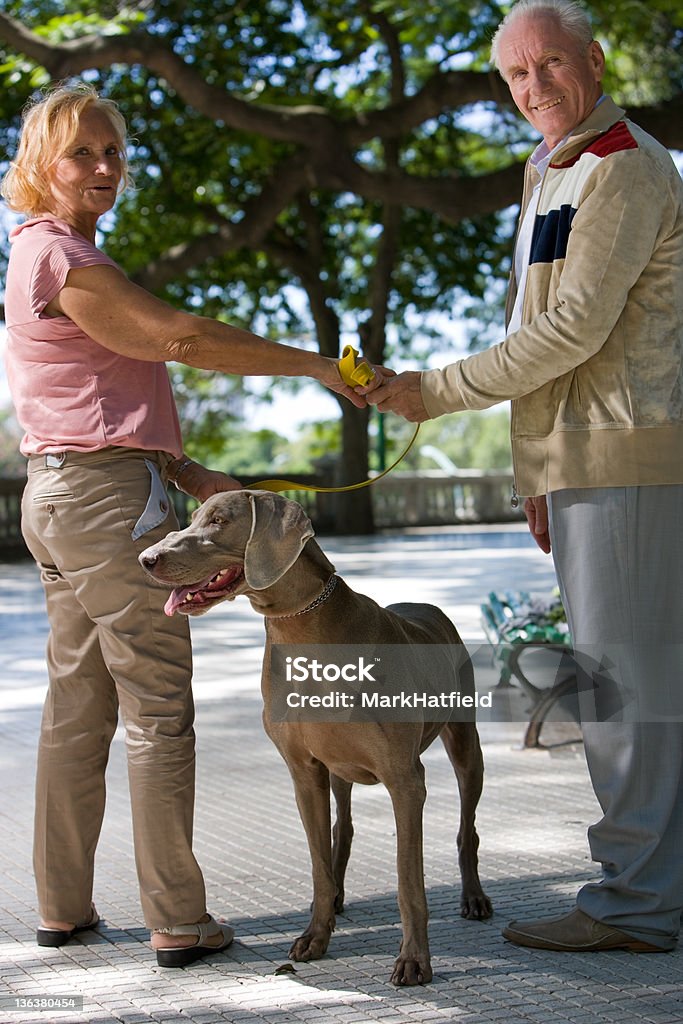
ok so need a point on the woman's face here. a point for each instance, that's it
(84, 180)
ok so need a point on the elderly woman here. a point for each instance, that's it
(86, 363)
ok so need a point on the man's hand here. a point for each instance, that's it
(400, 394)
(536, 512)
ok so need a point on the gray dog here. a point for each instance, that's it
(261, 545)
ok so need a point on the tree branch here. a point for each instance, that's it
(664, 121)
(454, 198)
(393, 45)
(289, 124)
(302, 124)
(447, 90)
(373, 332)
(259, 215)
(306, 125)
(305, 264)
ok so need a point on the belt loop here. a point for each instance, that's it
(55, 460)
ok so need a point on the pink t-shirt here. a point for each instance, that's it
(69, 392)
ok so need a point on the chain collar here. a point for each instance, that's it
(320, 599)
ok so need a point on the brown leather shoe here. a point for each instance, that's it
(574, 933)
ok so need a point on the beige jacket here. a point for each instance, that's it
(596, 370)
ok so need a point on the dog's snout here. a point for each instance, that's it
(148, 559)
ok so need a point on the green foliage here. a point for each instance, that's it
(12, 464)
(257, 452)
(317, 446)
(472, 440)
(644, 43)
(208, 407)
(469, 441)
(484, 442)
(266, 453)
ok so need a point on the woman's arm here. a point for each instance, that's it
(198, 481)
(128, 320)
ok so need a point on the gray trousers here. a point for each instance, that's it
(619, 558)
(111, 649)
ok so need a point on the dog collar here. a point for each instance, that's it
(320, 599)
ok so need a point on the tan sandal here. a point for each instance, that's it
(182, 956)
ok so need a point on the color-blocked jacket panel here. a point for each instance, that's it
(563, 187)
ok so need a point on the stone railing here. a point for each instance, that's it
(429, 498)
(11, 541)
(434, 497)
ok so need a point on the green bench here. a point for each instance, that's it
(518, 626)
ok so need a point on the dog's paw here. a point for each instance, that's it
(475, 907)
(309, 947)
(415, 970)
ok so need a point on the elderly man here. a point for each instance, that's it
(592, 363)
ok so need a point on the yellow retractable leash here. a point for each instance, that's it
(353, 374)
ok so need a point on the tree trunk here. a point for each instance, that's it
(353, 509)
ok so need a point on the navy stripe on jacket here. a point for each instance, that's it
(550, 236)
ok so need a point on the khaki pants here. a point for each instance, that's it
(111, 648)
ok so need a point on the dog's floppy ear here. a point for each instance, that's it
(279, 530)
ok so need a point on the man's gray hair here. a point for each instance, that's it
(571, 16)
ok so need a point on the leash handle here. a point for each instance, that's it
(353, 374)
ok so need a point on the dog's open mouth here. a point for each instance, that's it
(197, 597)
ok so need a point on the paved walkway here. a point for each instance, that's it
(532, 822)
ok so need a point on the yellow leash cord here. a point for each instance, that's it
(353, 374)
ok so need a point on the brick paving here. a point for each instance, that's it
(532, 822)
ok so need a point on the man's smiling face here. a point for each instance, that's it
(554, 79)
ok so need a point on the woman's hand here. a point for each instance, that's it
(332, 379)
(199, 482)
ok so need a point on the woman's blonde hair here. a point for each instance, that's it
(49, 126)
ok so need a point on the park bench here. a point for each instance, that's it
(519, 628)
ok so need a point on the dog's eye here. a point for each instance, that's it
(217, 520)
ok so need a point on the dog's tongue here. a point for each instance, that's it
(202, 593)
(176, 598)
